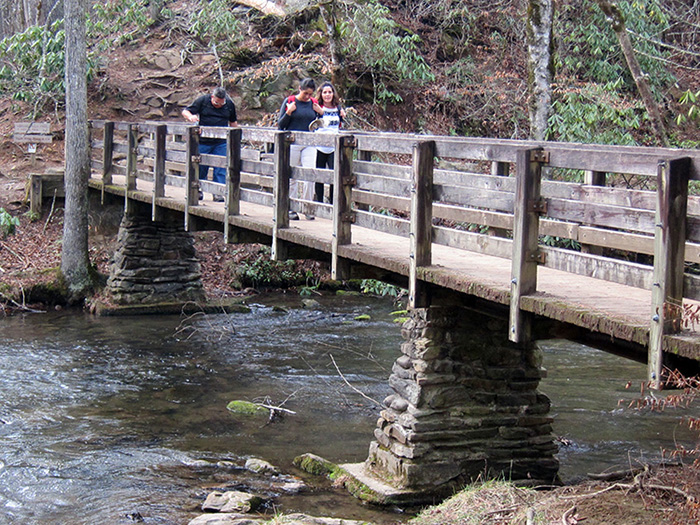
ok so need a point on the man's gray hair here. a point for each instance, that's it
(220, 93)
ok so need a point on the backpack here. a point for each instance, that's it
(292, 98)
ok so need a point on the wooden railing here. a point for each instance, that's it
(496, 197)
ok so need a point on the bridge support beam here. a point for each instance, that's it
(465, 405)
(154, 263)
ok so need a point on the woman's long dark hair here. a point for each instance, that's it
(336, 99)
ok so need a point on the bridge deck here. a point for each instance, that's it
(620, 311)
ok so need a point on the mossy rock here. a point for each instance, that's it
(363, 317)
(347, 292)
(247, 408)
(316, 465)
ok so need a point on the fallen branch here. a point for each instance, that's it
(568, 517)
(48, 218)
(348, 383)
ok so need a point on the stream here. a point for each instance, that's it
(121, 419)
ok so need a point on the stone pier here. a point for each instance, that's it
(154, 262)
(465, 406)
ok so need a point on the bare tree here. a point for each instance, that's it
(75, 261)
(617, 22)
(540, 65)
(329, 14)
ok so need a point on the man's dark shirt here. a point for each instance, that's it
(211, 116)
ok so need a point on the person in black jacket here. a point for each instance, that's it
(296, 113)
(212, 110)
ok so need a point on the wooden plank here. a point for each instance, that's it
(669, 247)
(192, 173)
(382, 223)
(32, 133)
(131, 165)
(159, 170)
(597, 266)
(473, 241)
(392, 186)
(107, 157)
(280, 191)
(381, 200)
(36, 193)
(233, 179)
(525, 241)
(257, 197)
(421, 221)
(343, 182)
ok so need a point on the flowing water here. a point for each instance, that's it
(114, 419)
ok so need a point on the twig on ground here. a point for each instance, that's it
(48, 218)
(568, 517)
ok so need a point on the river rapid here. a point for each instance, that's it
(115, 419)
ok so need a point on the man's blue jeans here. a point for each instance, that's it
(213, 149)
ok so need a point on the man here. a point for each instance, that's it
(212, 110)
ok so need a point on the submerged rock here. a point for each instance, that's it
(232, 501)
(261, 466)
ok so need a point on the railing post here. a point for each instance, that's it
(131, 156)
(420, 235)
(669, 258)
(233, 178)
(500, 169)
(159, 169)
(192, 171)
(343, 217)
(280, 194)
(107, 157)
(593, 178)
(528, 206)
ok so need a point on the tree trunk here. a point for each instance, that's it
(75, 261)
(617, 21)
(329, 14)
(540, 65)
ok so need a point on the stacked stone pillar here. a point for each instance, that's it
(465, 406)
(154, 263)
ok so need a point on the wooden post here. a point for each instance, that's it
(280, 194)
(107, 157)
(528, 207)
(36, 193)
(593, 178)
(159, 170)
(501, 169)
(343, 217)
(421, 237)
(669, 258)
(132, 141)
(192, 171)
(233, 178)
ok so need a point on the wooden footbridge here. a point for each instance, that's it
(478, 217)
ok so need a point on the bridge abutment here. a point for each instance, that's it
(154, 262)
(465, 405)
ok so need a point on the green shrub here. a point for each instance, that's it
(8, 223)
(33, 65)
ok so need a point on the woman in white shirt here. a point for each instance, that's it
(333, 115)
